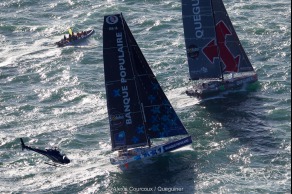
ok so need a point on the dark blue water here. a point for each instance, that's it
(56, 97)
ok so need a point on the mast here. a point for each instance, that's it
(216, 38)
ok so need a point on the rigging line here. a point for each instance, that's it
(220, 63)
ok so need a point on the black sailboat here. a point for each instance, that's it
(138, 109)
(213, 48)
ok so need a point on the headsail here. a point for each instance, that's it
(211, 42)
(138, 108)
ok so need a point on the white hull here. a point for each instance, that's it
(143, 153)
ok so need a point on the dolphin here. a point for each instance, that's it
(52, 154)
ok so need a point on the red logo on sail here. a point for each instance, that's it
(211, 50)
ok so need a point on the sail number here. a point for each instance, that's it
(113, 28)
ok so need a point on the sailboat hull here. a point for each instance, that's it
(216, 87)
(143, 153)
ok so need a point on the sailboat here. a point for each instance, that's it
(139, 112)
(214, 51)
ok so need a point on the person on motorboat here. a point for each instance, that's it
(70, 38)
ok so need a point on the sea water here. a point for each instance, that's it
(54, 96)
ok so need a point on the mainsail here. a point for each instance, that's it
(137, 106)
(212, 45)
